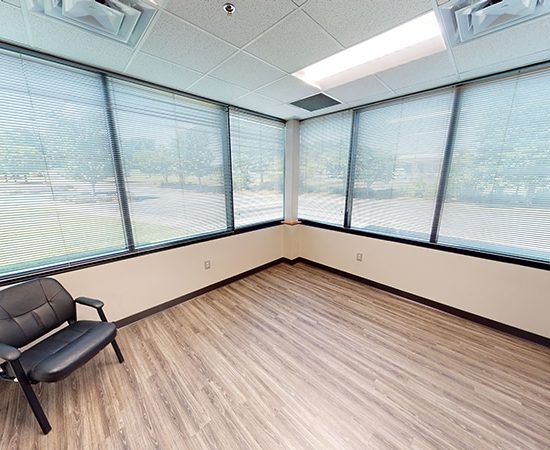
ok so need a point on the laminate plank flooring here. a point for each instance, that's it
(295, 357)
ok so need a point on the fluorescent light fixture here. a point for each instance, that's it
(412, 40)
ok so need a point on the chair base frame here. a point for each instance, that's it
(25, 383)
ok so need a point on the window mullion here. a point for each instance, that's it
(351, 170)
(117, 162)
(446, 165)
(228, 173)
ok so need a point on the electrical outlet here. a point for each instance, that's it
(207, 264)
(359, 257)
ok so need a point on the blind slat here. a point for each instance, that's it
(498, 195)
(257, 156)
(400, 147)
(324, 156)
(172, 151)
(58, 196)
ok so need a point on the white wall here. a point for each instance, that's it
(508, 293)
(135, 284)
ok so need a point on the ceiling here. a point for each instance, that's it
(246, 59)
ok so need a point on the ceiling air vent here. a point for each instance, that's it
(315, 102)
(122, 20)
(468, 19)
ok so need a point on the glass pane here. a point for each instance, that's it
(400, 148)
(498, 195)
(172, 151)
(58, 197)
(324, 156)
(257, 156)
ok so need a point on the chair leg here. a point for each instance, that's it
(116, 348)
(31, 397)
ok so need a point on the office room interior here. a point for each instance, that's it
(298, 224)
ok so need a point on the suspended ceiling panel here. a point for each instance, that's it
(247, 59)
(353, 21)
(182, 43)
(247, 71)
(250, 20)
(157, 70)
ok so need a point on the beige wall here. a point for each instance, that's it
(135, 284)
(511, 294)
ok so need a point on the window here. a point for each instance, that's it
(257, 156)
(465, 167)
(92, 166)
(399, 152)
(173, 156)
(58, 198)
(498, 193)
(324, 156)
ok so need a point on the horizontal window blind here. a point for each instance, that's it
(324, 156)
(172, 150)
(399, 153)
(58, 198)
(257, 157)
(498, 194)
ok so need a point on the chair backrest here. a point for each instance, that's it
(30, 310)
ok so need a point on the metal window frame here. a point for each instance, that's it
(432, 241)
(131, 250)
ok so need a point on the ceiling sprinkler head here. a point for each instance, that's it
(229, 8)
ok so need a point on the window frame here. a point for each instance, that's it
(432, 242)
(241, 111)
(122, 195)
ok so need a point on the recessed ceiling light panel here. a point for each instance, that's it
(412, 40)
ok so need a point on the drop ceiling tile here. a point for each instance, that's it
(71, 42)
(256, 102)
(367, 87)
(176, 41)
(353, 21)
(288, 89)
(507, 65)
(431, 84)
(13, 26)
(422, 70)
(247, 71)
(249, 20)
(299, 2)
(162, 72)
(294, 43)
(288, 112)
(215, 89)
(506, 45)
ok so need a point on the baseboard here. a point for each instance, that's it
(513, 331)
(158, 308)
(508, 329)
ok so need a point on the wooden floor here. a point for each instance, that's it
(295, 357)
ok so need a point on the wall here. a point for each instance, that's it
(515, 295)
(135, 284)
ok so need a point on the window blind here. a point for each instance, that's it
(58, 199)
(324, 156)
(257, 156)
(172, 150)
(399, 153)
(498, 194)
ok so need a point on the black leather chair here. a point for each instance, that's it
(30, 310)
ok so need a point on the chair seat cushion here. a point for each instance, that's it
(71, 347)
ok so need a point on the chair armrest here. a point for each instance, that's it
(9, 353)
(92, 302)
